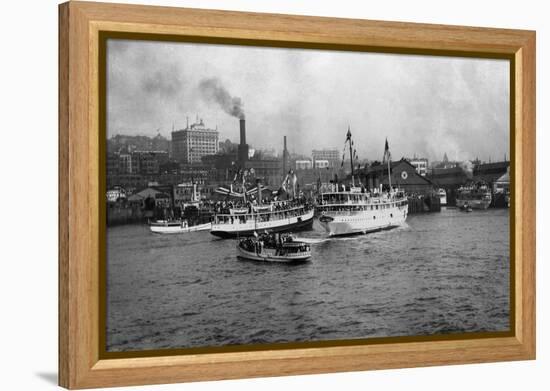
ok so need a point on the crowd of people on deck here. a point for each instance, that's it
(274, 241)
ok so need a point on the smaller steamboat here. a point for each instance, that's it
(273, 247)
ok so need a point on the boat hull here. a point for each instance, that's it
(236, 229)
(474, 204)
(177, 229)
(269, 256)
(363, 222)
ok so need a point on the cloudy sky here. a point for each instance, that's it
(424, 105)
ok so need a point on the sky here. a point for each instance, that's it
(424, 105)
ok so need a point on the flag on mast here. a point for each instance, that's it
(387, 154)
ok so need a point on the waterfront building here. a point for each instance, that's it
(189, 145)
(449, 177)
(502, 184)
(269, 171)
(332, 155)
(186, 192)
(403, 175)
(150, 198)
(115, 193)
(126, 165)
(126, 143)
(420, 164)
(304, 165)
(112, 165)
(149, 162)
(322, 164)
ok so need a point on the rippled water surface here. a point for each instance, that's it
(442, 273)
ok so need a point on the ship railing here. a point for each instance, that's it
(362, 206)
(261, 216)
(369, 201)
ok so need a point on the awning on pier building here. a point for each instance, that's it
(502, 184)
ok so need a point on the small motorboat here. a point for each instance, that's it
(176, 227)
(466, 208)
(273, 247)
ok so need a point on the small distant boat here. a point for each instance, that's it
(442, 197)
(273, 248)
(474, 196)
(176, 227)
(466, 208)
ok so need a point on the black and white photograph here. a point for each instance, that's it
(269, 195)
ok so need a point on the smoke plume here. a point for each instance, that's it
(468, 168)
(213, 90)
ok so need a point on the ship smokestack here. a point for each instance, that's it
(243, 131)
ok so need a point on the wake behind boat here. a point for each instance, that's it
(273, 248)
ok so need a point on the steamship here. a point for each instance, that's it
(249, 219)
(475, 196)
(357, 211)
(279, 216)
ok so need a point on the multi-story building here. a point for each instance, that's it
(322, 163)
(112, 165)
(127, 165)
(268, 170)
(189, 145)
(420, 164)
(303, 165)
(149, 162)
(330, 155)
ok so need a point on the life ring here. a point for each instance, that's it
(404, 175)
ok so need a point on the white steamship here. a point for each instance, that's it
(356, 210)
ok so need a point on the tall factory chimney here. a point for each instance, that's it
(243, 146)
(285, 155)
(243, 131)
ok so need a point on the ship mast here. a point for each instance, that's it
(348, 139)
(389, 174)
(387, 157)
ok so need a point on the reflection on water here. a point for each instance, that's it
(442, 273)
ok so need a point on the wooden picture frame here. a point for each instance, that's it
(81, 364)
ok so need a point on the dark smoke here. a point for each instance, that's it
(212, 90)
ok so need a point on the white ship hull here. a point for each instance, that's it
(236, 226)
(362, 222)
(158, 228)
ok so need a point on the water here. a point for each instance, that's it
(443, 272)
